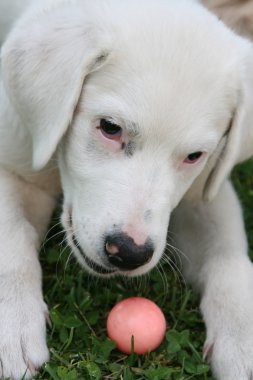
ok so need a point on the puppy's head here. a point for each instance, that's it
(142, 108)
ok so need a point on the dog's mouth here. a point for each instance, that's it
(90, 263)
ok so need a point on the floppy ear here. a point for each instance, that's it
(45, 61)
(237, 144)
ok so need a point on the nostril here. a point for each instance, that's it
(125, 254)
(113, 254)
(111, 249)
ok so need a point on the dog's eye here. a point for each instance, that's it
(110, 130)
(193, 157)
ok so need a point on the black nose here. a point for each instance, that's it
(123, 253)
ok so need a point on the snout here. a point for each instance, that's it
(124, 253)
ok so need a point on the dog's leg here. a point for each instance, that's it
(25, 211)
(212, 237)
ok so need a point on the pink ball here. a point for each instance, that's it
(138, 317)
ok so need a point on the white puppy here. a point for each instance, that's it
(144, 106)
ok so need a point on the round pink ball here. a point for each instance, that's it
(140, 318)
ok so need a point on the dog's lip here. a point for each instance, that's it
(91, 264)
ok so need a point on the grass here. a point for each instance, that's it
(79, 304)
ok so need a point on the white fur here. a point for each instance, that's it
(177, 81)
(10, 10)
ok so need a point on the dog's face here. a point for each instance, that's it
(153, 114)
(135, 147)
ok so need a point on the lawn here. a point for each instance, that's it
(79, 304)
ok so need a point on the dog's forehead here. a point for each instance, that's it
(174, 68)
(159, 99)
(158, 112)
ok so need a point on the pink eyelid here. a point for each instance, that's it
(111, 144)
(117, 137)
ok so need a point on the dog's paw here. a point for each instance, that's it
(227, 308)
(231, 357)
(23, 347)
(229, 343)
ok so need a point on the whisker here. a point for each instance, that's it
(177, 251)
(52, 237)
(58, 262)
(175, 269)
(70, 257)
(164, 278)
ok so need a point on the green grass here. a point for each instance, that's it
(79, 305)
